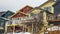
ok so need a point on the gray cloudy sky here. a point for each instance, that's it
(15, 5)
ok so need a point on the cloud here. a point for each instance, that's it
(15, 5)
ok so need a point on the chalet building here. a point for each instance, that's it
(1, 26)
(43, 19)
(57, 7)
(3, 18)
(16, 19)
(55, 23)
(41, 23)
(47, 6)
(45, 9)
(52, 16)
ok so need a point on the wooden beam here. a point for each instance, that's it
(56, 20)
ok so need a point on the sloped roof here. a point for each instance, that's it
(26, 9)
(42, 10)
(2, 18)
(19, 15)
(4, 14)
(7, 14)
(22, 12)
(1, 13)
(46, 2)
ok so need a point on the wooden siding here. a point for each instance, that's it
(19, 15)
(26, 9)
(22, 12)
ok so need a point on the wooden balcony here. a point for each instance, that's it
(53, 18)
(56, 20)
(16, 28)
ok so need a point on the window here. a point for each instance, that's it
(48, 8)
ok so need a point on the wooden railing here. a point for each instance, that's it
(21, 20)
(53, 18)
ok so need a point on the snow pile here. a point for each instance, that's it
(26, 33)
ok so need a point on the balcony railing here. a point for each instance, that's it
(53, 18)
(35, 18)
(22, 20)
